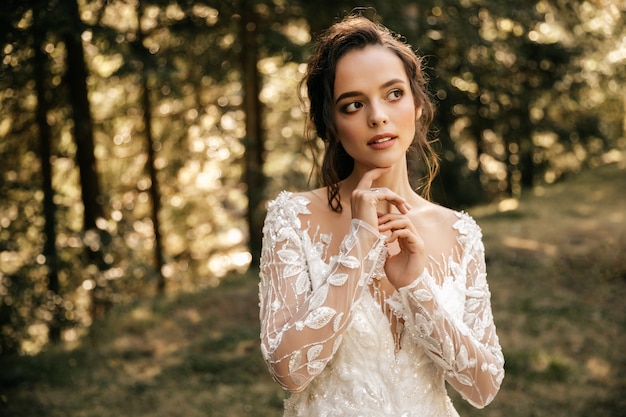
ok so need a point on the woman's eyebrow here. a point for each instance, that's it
(349, 94)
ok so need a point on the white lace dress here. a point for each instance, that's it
(342, 349)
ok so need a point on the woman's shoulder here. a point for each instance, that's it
(456, 227)
(297, 199)
(292, 205)
(287, 204)
(459, 220)
(286, 198)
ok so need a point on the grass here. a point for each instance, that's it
(184, 355)
(558, 280)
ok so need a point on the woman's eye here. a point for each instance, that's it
(352, 107)
(395, 95)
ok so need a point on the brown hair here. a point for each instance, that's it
(357, 32)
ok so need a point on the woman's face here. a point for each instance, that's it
(373, 108)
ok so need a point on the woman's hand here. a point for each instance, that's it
(405, 266)
(366, 199)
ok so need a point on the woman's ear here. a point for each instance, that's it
(418, 112)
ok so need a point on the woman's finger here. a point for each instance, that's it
(391, 221)
(370, 176)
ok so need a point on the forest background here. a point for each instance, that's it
(140, 140)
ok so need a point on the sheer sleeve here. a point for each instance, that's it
(467, 350)
(303, 315)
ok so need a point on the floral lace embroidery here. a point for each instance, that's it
(306, 304)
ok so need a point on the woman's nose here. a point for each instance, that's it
(377, 115)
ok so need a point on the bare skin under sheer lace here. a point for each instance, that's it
(343, 347)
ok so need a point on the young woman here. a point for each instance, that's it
(371, 296)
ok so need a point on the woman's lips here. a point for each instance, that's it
(381, 142)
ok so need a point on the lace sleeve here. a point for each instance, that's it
(467, 350)
(302, 323)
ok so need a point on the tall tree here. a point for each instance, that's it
(254, 143)
(76, 78)
(20, 221)
(155, 195)
(49, 207)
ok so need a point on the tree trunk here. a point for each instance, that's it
(155, 194)
(49, 208)
(254, 155)
(92, 199)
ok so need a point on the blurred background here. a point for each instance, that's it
(140, 141)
